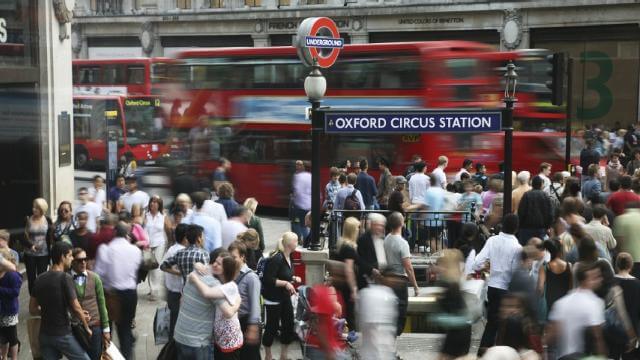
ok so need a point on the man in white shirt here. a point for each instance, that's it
(215, 210)
(173, 279)
(545, 172)
(502, 252)
(97, 193)
(575, 313)
(467, 165)
(235, 225)
(134, 196)
(418, 184)
(212, 227)
(93, 210)
(438, 172)
(117, 263)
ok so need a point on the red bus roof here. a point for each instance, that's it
(417, 47)
(112, 61)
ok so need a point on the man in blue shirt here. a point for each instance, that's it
(211, 226)
(367, 186)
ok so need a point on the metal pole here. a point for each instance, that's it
(508, 154)
(316, 129)
(567, 129)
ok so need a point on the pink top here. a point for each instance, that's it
(141, 235)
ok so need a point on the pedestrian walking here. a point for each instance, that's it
(592, 186)
(502, 252)
(90, 293)
(249, 312)
(173, 281)
(255, 222)
(386, 183)
(634, 164)
(626, 230)
(156, 224)
(332, 187)
(598, 229)
(251, 240)
(235, 225)
(134, 195)
(212, 227)
(480, 177)
(97, 193)
(618, 200)
(115, 192)
(555, 278)
(63, 226)
(398, 258)
(438, 172)
(535, 213)
(300, 199)
(630, 286)
(38, 237)
(367, 186)
(10, 284)
(80, 236)
(347, 253)
(184, 260)
(371, 250)
(467, 165)
(5, 237)
(277, 289)
(544, 174)
(53, 296)
(522, 180)
(117, 264)
(92, 209)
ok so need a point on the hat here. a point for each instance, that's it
(400, 179)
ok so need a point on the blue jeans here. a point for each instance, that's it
(96, 343)
(193, 353)
(53, 347)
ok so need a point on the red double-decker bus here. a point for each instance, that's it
(137, 76)
(248, 105)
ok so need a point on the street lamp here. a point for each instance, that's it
(511, 80)
(315, 85)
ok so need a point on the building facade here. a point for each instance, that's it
(35, 107)
(602, 36)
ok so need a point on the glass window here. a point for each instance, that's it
(113, 74)
(142, 120)
(253, 3)
(89, 75)
(216, 4)
(135, 74)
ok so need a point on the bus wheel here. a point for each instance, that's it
(81, 158)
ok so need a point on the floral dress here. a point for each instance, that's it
(227, 333)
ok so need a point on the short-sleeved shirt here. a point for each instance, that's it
(185, 259)
(195, 319)
(575, 313)
(54, 291)
(396, 248)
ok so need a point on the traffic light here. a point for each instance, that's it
(556, 72)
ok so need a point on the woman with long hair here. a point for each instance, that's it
(555, 279)
(225, 197)
(255, 222)
(251, 240)
(157, 225)
(38, 237)
(348, 254)
(469, 243)
(277, 290)
(64, 223)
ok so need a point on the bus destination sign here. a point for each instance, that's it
(420, 121)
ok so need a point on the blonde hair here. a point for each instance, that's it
(287, 237)
(4, 234)
(6, 253)
(450, 264)
(250, 238)
(183, 197)
(350, 232)
(41, 204)
(251, 204)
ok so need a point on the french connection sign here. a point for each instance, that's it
(424, 121)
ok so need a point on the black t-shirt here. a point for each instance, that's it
(395, 201)
(81, 241)
(54, 291)
(631, 291)
(347, 252)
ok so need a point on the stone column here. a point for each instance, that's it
(314, 265)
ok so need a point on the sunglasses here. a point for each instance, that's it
(80, 259)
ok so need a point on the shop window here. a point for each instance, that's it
(284, 3)
(316, 2)
(253, 3)
(183, 4)
(216, 4)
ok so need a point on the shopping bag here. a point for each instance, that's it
(113, 352)
(169, 351)
(33, 329)
(161, 325)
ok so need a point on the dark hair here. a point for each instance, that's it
(216, 253)
(124, 215)
(122, 229)
(479, 166)
(198, 198)
(587, 249)
(193, 233)
(469, 239)
(510, 224)
(599, 211)
(333, 171)
(554, 247)
(180, 232)
(82, 213)
(432, 180)
(571, 187)
(119, 176)
(59, 250)
(614, 185)
(96, 177)
(512, 333)
(571, 206)
(582, 269)
(364, 164)
(537, 182)
(238, 246)
(131, 178)
(465, 176)
(82, 189)
(383, 161)
(466, 163)
(62, 203)
(76, 251)
(395, 220)
(624, 261)
(418, 167)
(625, 182)
(342, 178)
(225, 191)
(557, 176)
(240, 211)
(230, 268)
(157, 199)
(544, 166)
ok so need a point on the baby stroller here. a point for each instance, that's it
(304, 318)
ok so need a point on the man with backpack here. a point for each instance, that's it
(249, 313)
(349, 198)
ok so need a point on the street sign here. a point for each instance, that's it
(412, 121)
(318, 38)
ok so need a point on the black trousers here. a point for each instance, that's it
(402, 293)
(128, 303)
(277, 314)
(350, 311)
(494, 296)
(249, 351)
(173, 303)
(35, 265)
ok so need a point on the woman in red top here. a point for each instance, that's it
(324, 340)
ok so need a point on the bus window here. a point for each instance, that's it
(113, 74)
(291, 146)
(462, 68)
(89, 75)
(135, 74)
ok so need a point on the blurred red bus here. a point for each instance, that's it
(140, 128)
(248, 105)
(136, 76)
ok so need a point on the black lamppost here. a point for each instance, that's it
(315, 85)
(511, 79)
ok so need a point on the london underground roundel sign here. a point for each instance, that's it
(318, 38)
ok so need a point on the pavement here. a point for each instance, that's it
(410, 346)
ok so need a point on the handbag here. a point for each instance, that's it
(113, 352)
(81, 335)
(168, 351)
(149, 261)
(161, 324)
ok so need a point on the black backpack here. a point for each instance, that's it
(352, 202)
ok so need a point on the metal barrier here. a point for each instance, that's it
(431, 231)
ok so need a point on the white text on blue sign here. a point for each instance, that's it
(403, 123)
(323, 42)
